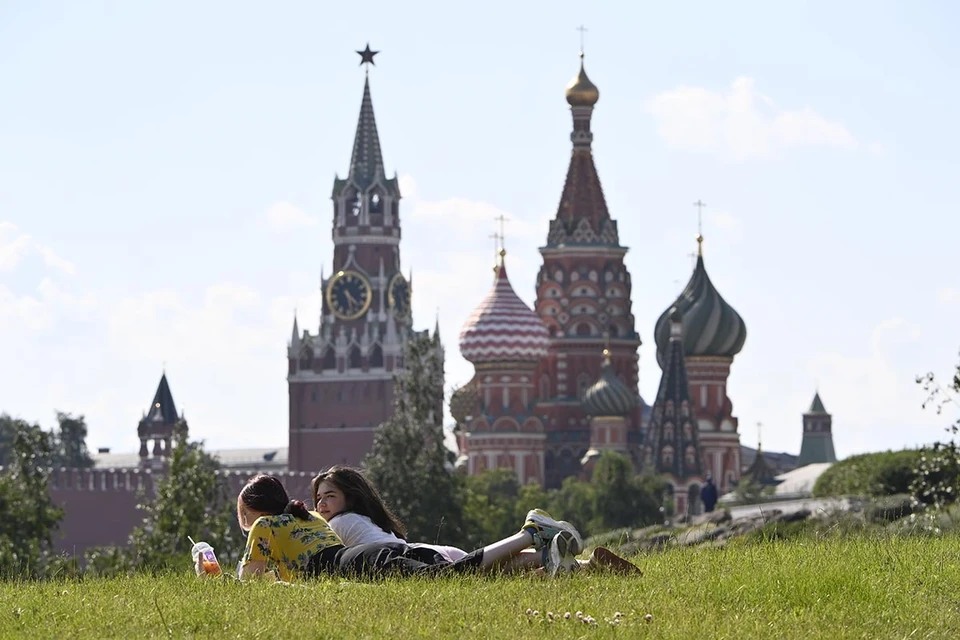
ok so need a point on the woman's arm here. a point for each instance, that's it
(252, 569)
(258, 551)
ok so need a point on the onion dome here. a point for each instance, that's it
(711, 327)
(608, 396)
(503, 328)
(581, 92)
(464, 402)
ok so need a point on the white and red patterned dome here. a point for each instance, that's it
(503, 328)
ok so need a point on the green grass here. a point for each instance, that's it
(862, 587)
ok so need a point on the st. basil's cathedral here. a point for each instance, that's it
(554, 386)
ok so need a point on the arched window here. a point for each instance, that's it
(353, 358)
(613, 331)
(355, 204)
(376, 203)
(376, 357)
(329, 359)
(306, 359)
(583, 329)
(666, 455)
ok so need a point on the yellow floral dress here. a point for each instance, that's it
(286, 544)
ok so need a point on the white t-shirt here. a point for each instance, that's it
(354, 529)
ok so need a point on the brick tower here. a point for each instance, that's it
(583, 297)
(817, 443)
(673, 448)
(341, 378)
(505, 340)
(713, 333)
(159, 423)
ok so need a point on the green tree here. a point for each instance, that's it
(621, 497)
(9, 428)
(71, 439)
(491, 505)
(408, 461)
(575, 501)
(936, 483)
(192, 499)
(28, 516)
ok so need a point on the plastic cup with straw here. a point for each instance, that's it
(208, 559)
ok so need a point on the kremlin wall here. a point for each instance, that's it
(554, 386)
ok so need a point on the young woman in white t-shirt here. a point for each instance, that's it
(353, 508)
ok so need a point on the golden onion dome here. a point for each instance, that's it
(581, 92)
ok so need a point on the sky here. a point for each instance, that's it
(166, 169)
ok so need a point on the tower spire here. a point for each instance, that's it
(366, 162)
(582, 197)
(502, 219)
(699, 204)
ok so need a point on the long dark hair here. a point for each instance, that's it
(361, 497)
(266, 494)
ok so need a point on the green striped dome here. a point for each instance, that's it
(711, 327)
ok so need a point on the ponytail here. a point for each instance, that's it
(297, 509)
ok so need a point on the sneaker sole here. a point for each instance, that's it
(562, 555)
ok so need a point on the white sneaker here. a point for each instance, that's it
(562, 555)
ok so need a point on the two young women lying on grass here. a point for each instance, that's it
(283, 535)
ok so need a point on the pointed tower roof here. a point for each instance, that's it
(761, 471)
(295, 334)
(673, 432)
(582, 215)
(503, 328)
(366, 161)
(817, 405)
(711, 326)
(162, 409)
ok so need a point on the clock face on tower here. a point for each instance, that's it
(349, 295)
(399, 294)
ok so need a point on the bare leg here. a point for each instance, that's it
(500, 552)
(524, 561)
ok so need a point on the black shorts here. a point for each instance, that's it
(384, 559)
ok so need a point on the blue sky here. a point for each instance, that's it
(165, 172)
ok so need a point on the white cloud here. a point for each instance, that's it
(161, 325)
(741, 122)
(948, 295)
(723, 220)
(38, 312)
(876, 399)
(52, 259)
(285, 215)
(470, 217)
(14, 249)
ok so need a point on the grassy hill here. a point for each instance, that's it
(833, 587)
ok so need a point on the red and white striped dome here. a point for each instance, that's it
(503, 328)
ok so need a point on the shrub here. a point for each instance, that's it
(870, 474)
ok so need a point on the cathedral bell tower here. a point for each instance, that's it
(583, 297)
(341, 378)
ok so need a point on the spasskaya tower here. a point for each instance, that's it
(341, 378)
